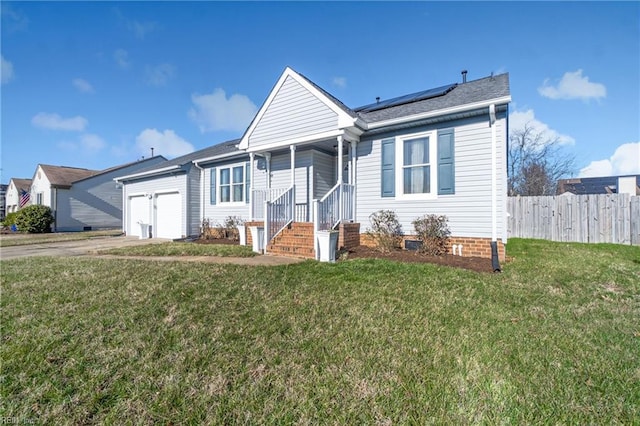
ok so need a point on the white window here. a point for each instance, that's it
(416, 172)
(39, 198)
(232, 184)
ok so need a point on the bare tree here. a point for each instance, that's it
(536, 162)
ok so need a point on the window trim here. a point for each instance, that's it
(231, 184)
(433, 166)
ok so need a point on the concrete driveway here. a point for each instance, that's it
(73, 248)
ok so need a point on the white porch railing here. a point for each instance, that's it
(259, 198)
(278, 213)
(335, 206)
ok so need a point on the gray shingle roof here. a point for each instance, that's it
(62, 176)
(22, 184)
(219, 149)
(465, 93)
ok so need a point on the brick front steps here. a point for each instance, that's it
(296, 240)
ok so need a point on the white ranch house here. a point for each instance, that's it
(309, 163)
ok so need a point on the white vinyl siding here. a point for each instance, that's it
(164, 184)
(469, 209)
(324, 173)
(294, 112)
(95, 202)
(217, 213)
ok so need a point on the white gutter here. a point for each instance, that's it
(439, 112)
(219, 157)
(147, 173)
(494, 178)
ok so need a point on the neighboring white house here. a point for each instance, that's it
(17, 187)
(83, 199)
(308, 158)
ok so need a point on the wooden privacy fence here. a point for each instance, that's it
(610, 218)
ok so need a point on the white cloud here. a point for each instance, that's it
(340, 82)
(518, 119)
(140, 29)
(573, 85)
(214, 111)
(14, 20)
(83, 86)
(92, 142)
(55, 122)
(6, 70)
(87, 142)
(624, 161)
(166, 143)
(121, 57)
(160, 74)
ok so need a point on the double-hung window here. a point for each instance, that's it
(416, 167)
(232, 182)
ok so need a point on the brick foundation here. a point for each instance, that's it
(471, 247)
(349, 235)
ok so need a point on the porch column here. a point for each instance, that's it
(267, 159)
(251, 179)
(293, 181)
(354, 160)
(340, 175)
(340, 165)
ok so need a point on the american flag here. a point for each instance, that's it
(24, 198)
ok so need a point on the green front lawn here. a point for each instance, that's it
(553, 339)
(183, 249)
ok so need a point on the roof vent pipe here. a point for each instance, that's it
(464, 76)
(377, 99)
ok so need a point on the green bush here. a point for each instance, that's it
(34, 219)
(10, 219)
(434, 233)
(385, 230)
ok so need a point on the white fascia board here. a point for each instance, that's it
(219, 157)
(298, 141)
(429, 114)
(147, 173)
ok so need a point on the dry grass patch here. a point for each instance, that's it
(357, 342)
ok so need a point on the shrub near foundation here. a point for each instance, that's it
(434, 233)
(35, 219)
(385, 230)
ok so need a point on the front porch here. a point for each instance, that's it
(298, 239)
(320, 195)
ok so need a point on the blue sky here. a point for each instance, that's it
(97, 84)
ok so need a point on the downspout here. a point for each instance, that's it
(494, 191)
(124, 207)
(201, 192)
(55, 209)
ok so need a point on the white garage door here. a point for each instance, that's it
(138, 212)
(168, 216)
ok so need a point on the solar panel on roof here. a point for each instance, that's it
(413, 97)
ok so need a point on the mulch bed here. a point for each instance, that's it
(477, 264)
